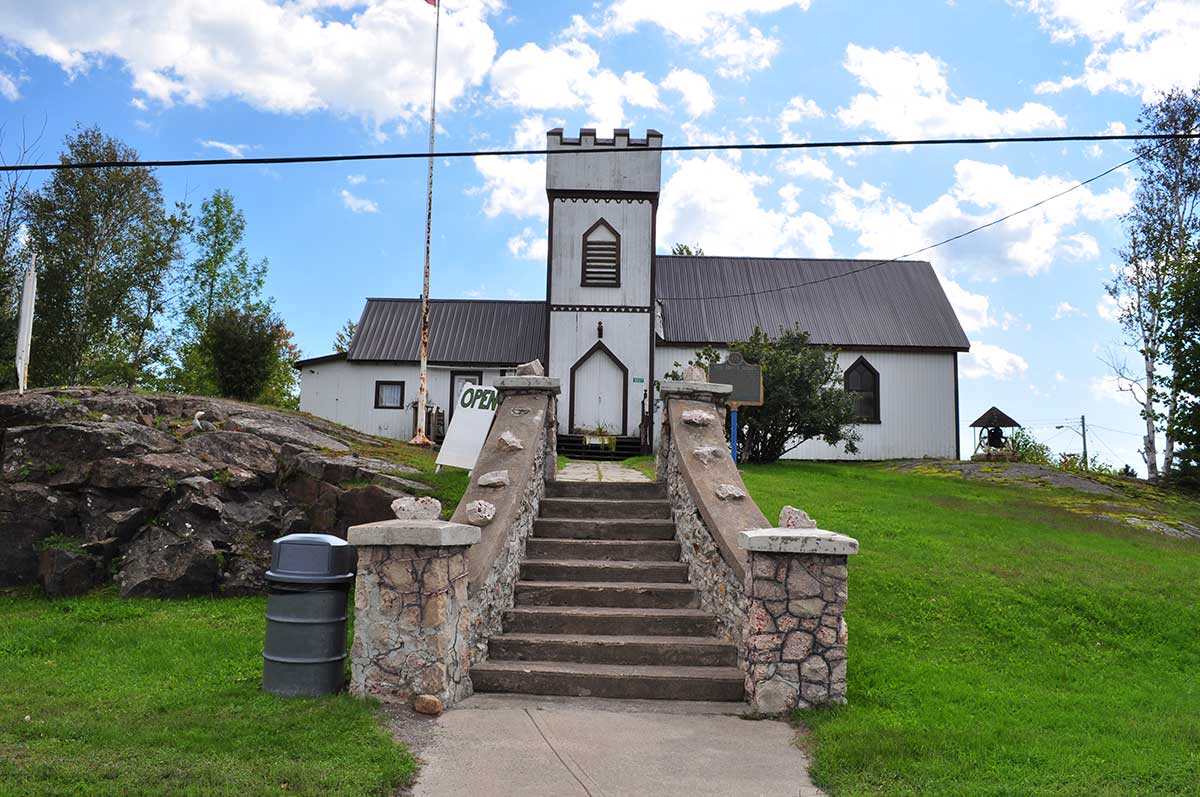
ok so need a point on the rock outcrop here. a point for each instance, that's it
(100, 481)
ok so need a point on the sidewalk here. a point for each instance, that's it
(533, 746)
(576, 471)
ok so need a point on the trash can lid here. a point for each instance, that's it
(311, 559)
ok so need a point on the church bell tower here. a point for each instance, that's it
(603, 196)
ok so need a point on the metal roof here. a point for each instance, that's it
(460, 331)
(995, 417)
(849, 303)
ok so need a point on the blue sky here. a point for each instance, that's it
(204, 78)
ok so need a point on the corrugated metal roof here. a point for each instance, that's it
(899, 304)
(460, 331)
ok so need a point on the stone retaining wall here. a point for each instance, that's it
(779, 593)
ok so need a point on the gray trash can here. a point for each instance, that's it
(308, 585)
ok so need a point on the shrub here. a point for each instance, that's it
(242, 345)
(1028, 449)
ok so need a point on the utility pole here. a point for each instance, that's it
(1082, 432)
(1083, 427)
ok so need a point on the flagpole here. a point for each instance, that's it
(420, 438)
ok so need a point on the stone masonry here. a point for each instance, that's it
(795, 631)
(409, 600)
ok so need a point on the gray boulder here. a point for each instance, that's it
(281, 429)
(62, 573)
(29, 513)
(165, 564)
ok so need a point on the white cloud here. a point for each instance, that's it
(8, 87)
(807, 166)
(982, 192)
(1108, 308)
(1113, 388)
(984, 359)
(356, 179)
(568, 76)
(517, 186)
(718, 28)
(973, 309)
(1137, 47)
(694, 88)
(232, 150)
(797, 110)
(279, 57)
(528, 246)
(358, 204)
(1066, 310)
(711, 202)
(909, 97)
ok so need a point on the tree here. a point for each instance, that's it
(90, 229)
(341, 343)
(243, 346)
(1162, 230)
(14, 255)
(803, 396)
(220, 278)
(283, 386)
(686, 249)
(1185, 421)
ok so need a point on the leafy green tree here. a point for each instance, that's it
(14, 255)
(283, 387)
(221, 277)
(243, 345)
(1162, 232)
(687, 249)
(803, 396)
(345, 335)
(1028, 449)
(1185, 422)
(91, 228)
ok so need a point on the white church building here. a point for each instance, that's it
(618, 316)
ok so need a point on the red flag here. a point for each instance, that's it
(432, 3)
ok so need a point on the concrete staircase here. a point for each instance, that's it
(604, 607)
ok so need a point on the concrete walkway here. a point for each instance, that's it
(531, 746)
(600, 472)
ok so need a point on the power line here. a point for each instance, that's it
(1118, 431)
(949, 240)
(791, 145)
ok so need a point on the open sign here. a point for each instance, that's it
(476, 397)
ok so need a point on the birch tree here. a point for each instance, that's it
(1161, 233)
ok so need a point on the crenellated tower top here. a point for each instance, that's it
(614, 171)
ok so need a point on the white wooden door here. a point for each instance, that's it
(598, 395)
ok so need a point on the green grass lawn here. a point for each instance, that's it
(1002, 640)
(108, 696)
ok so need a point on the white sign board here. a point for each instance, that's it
(469, 426)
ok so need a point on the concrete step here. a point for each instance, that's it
(609, 680)
(609, 621)
(579, 529)
(681, 651)
(603, 550)
(585, 570)
(606, 593)
(606, 508)
(610, 490)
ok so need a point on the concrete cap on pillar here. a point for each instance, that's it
(427, 533)
(798, 541)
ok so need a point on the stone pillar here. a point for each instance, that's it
(795, 635)
(409, 597)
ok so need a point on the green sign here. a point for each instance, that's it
(745, 378)
(638, 380)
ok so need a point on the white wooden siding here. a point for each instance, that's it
(631, 220)
(344, 392)
(916, 405)
(627, 335)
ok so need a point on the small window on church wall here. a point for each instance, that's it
(601, 256)
(862, 383)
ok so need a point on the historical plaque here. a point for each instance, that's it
(745, 378)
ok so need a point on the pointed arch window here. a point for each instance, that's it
(862, 382)
(601, 256)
